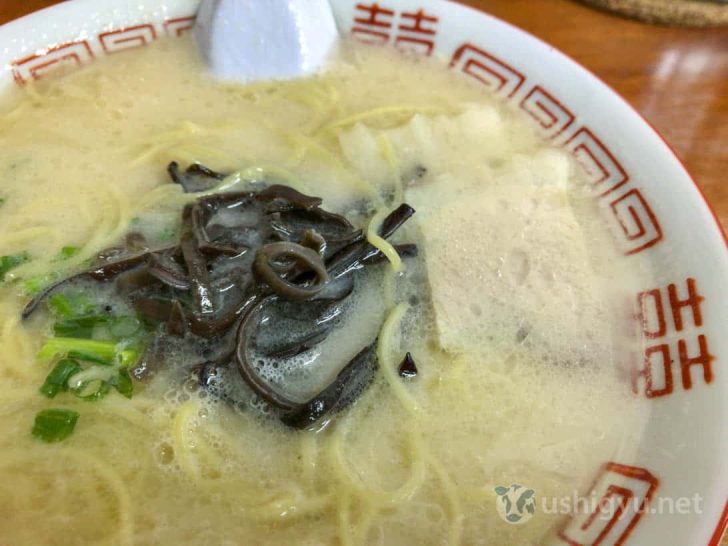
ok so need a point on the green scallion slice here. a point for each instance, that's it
(57, 379)
(92, 390)
(11, 262)
(124, 327)
(68, 252)
(89, 357)
(54, 425)
(122, 383)
(61, 346)
(70, 305)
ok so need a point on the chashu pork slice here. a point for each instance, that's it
(508, 262)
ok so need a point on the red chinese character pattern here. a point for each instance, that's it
(374, 23)
(676, 354)
(624, 493)
(417, 32)
(408, 30)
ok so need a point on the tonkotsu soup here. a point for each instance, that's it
(344, 310)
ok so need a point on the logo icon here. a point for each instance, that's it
(515, 504)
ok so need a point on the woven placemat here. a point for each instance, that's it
(691, 13)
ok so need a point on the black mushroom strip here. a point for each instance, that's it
(340, 393)
(195, 178)
(407, 368)
(247, 368)
(254, 275)
(196, 262)
(275, 262)
(101, 272)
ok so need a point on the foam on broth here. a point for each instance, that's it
(516, 311)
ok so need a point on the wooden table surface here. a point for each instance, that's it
(677, 78)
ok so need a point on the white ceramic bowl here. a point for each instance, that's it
(658, 211)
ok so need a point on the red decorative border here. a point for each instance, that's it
(179, 25)
(722, 523)
(612, 172)
(631, 472)
(473, 57)
(539, 102)
(635, 209)
(110, 44)
(33, 70)
(714, 214)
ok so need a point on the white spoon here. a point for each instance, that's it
(249, 40)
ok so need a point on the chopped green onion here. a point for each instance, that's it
(11, 262)
(124, 327)
(60, 346)
(122, 383)
(54, 425)
(60, 304)
(92, 373)
(106, 351)
(57, 380)
(79, 327)
(2, 201)
(69, 252)
(92, 390)
(88, 357)
(70, 305)
(128, 356)
(34, 285)
(94, 383)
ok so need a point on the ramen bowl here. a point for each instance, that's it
(672, 489)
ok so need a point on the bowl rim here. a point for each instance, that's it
(721, 526)
(571, 60)
(722, 523)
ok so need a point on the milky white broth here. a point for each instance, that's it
(517, 311)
